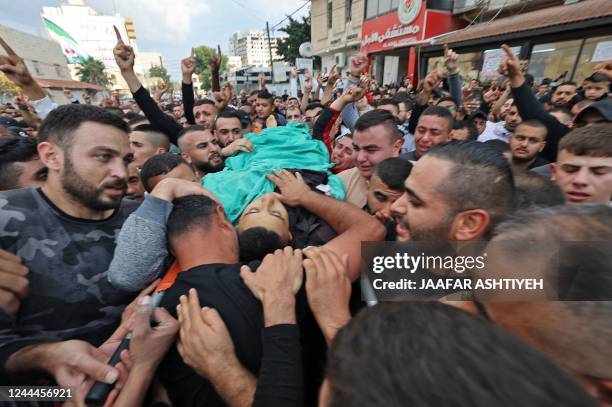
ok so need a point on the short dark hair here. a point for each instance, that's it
(597, 77)
(189, 212)
(204, 102)
(533, 190)
(579, 228)
(158, 165)
(469, 126)
(442, 112)
(115, 111)
(137, 119)
(393, 172)
(154, 135)
(256, 242)
(379, 117)
(62, 122)
(480, 178)
(447, 99)
(382, 102)
(534, 123)
(264, 94)
(592, 141)
(229, 113)
(194, 127)
(566, 83)
(314, 105)
(409, 363)
(13, 150)
(498, 145)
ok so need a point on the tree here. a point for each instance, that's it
(202, 54)
(159, 71)
(298, 32)
(7, 87)
(93, 71)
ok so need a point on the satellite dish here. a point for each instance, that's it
(305, 50)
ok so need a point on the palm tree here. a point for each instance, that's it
(93, 71)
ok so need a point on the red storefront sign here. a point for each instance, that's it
(406, 26)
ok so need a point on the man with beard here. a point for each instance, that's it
(457, 191)
(527, 143)
(64, 235)
(135, 189)
(200, 148)
(502, 130)
(384, 188)
(563, 94)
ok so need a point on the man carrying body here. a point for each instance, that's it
(65, 234)
(375, 138)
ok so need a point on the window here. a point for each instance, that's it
(329, 15)
(553, 60)
(394, 4)
(384, 6)
(371, 8)
(591, 55)
(349, 10)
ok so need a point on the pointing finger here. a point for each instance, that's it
(119, 39)
(508, 51)
(192, 52)
(446, 50)
(7, 48)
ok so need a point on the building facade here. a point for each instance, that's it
(393, 32)
(47, 64)
(82, 32)
(562, 40)
(252, 48)
(336, 31)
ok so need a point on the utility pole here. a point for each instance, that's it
(270, 49)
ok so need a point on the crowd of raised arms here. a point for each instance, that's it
(224, 235)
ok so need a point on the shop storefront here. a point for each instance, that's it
(563, 42)
(391, 31)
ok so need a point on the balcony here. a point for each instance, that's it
(462, 6)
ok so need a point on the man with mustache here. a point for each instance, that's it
(58, 241)
(526, 143)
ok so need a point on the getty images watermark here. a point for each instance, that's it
(507, 270)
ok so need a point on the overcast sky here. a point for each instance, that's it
(170, 27)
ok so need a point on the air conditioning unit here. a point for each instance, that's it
(340, 59)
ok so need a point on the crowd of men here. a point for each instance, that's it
(104, 207)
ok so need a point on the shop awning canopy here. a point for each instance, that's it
(550, 17)
(62, 84)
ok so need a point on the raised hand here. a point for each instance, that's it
(124, 54)
(605, 69)
(450, 61)
(358, 65)
(188, 66)
(215, 61)
(13, 67)
(307, 82)
(333, 76)
(160, 90)
(510, 67)
(16, 71)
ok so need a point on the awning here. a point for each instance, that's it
(550, 17)
(73, 85)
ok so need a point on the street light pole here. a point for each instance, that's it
(270, 49)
